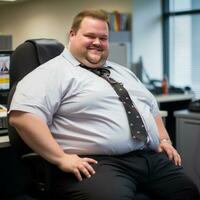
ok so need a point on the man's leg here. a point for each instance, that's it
(142, 196)
(168, 181)
(110, 182)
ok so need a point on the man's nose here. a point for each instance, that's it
(96, 41)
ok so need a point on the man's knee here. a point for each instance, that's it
(187, 193)
(107, 192)
(192, 193)
(141, 196)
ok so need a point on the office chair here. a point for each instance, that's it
(28, 56)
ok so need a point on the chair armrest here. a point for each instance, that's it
(40, 171)
(30, 156)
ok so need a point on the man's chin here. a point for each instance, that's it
(94, 59)
(94, 63)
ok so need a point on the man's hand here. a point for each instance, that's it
(78, 166)
(170, 151)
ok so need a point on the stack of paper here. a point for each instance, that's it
(3, 117)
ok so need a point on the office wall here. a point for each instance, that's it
(147, 35)
(49, 18)
(52, 18)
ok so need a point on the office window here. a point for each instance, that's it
(183, 5)
(183, 23)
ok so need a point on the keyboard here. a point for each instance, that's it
(3, 132)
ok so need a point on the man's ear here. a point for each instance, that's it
(72, 33)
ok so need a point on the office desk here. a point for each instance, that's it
(171, 103)
(173, 98)
(188, 137)
(4, 141)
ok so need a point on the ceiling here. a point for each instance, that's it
(7, 2)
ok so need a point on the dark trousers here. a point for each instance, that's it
(121, 177)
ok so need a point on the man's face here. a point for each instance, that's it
(89, 45)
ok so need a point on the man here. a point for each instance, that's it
(74, 119)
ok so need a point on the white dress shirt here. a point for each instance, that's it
(82, 110)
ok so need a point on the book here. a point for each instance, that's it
(118, 21)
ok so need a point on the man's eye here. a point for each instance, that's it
(90, 36)
(103, 39)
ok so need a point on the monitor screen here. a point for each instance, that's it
(138, 68)
(4, 74)
(4, 70)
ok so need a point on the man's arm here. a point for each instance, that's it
(165, 142)
(36, 134)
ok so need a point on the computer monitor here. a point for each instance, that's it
(138, 69)
(5, 57)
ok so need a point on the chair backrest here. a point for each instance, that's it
(26, 57)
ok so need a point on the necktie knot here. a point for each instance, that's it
(100, 71)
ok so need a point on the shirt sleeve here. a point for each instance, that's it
(37, 93)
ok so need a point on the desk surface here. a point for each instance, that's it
(173, 97)
(4, 141)
(187, 114)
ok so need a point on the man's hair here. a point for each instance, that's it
(96, 14)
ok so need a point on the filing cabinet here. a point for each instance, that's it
(188, 142)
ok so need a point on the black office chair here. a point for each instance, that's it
(25, 58)
(28, 56)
